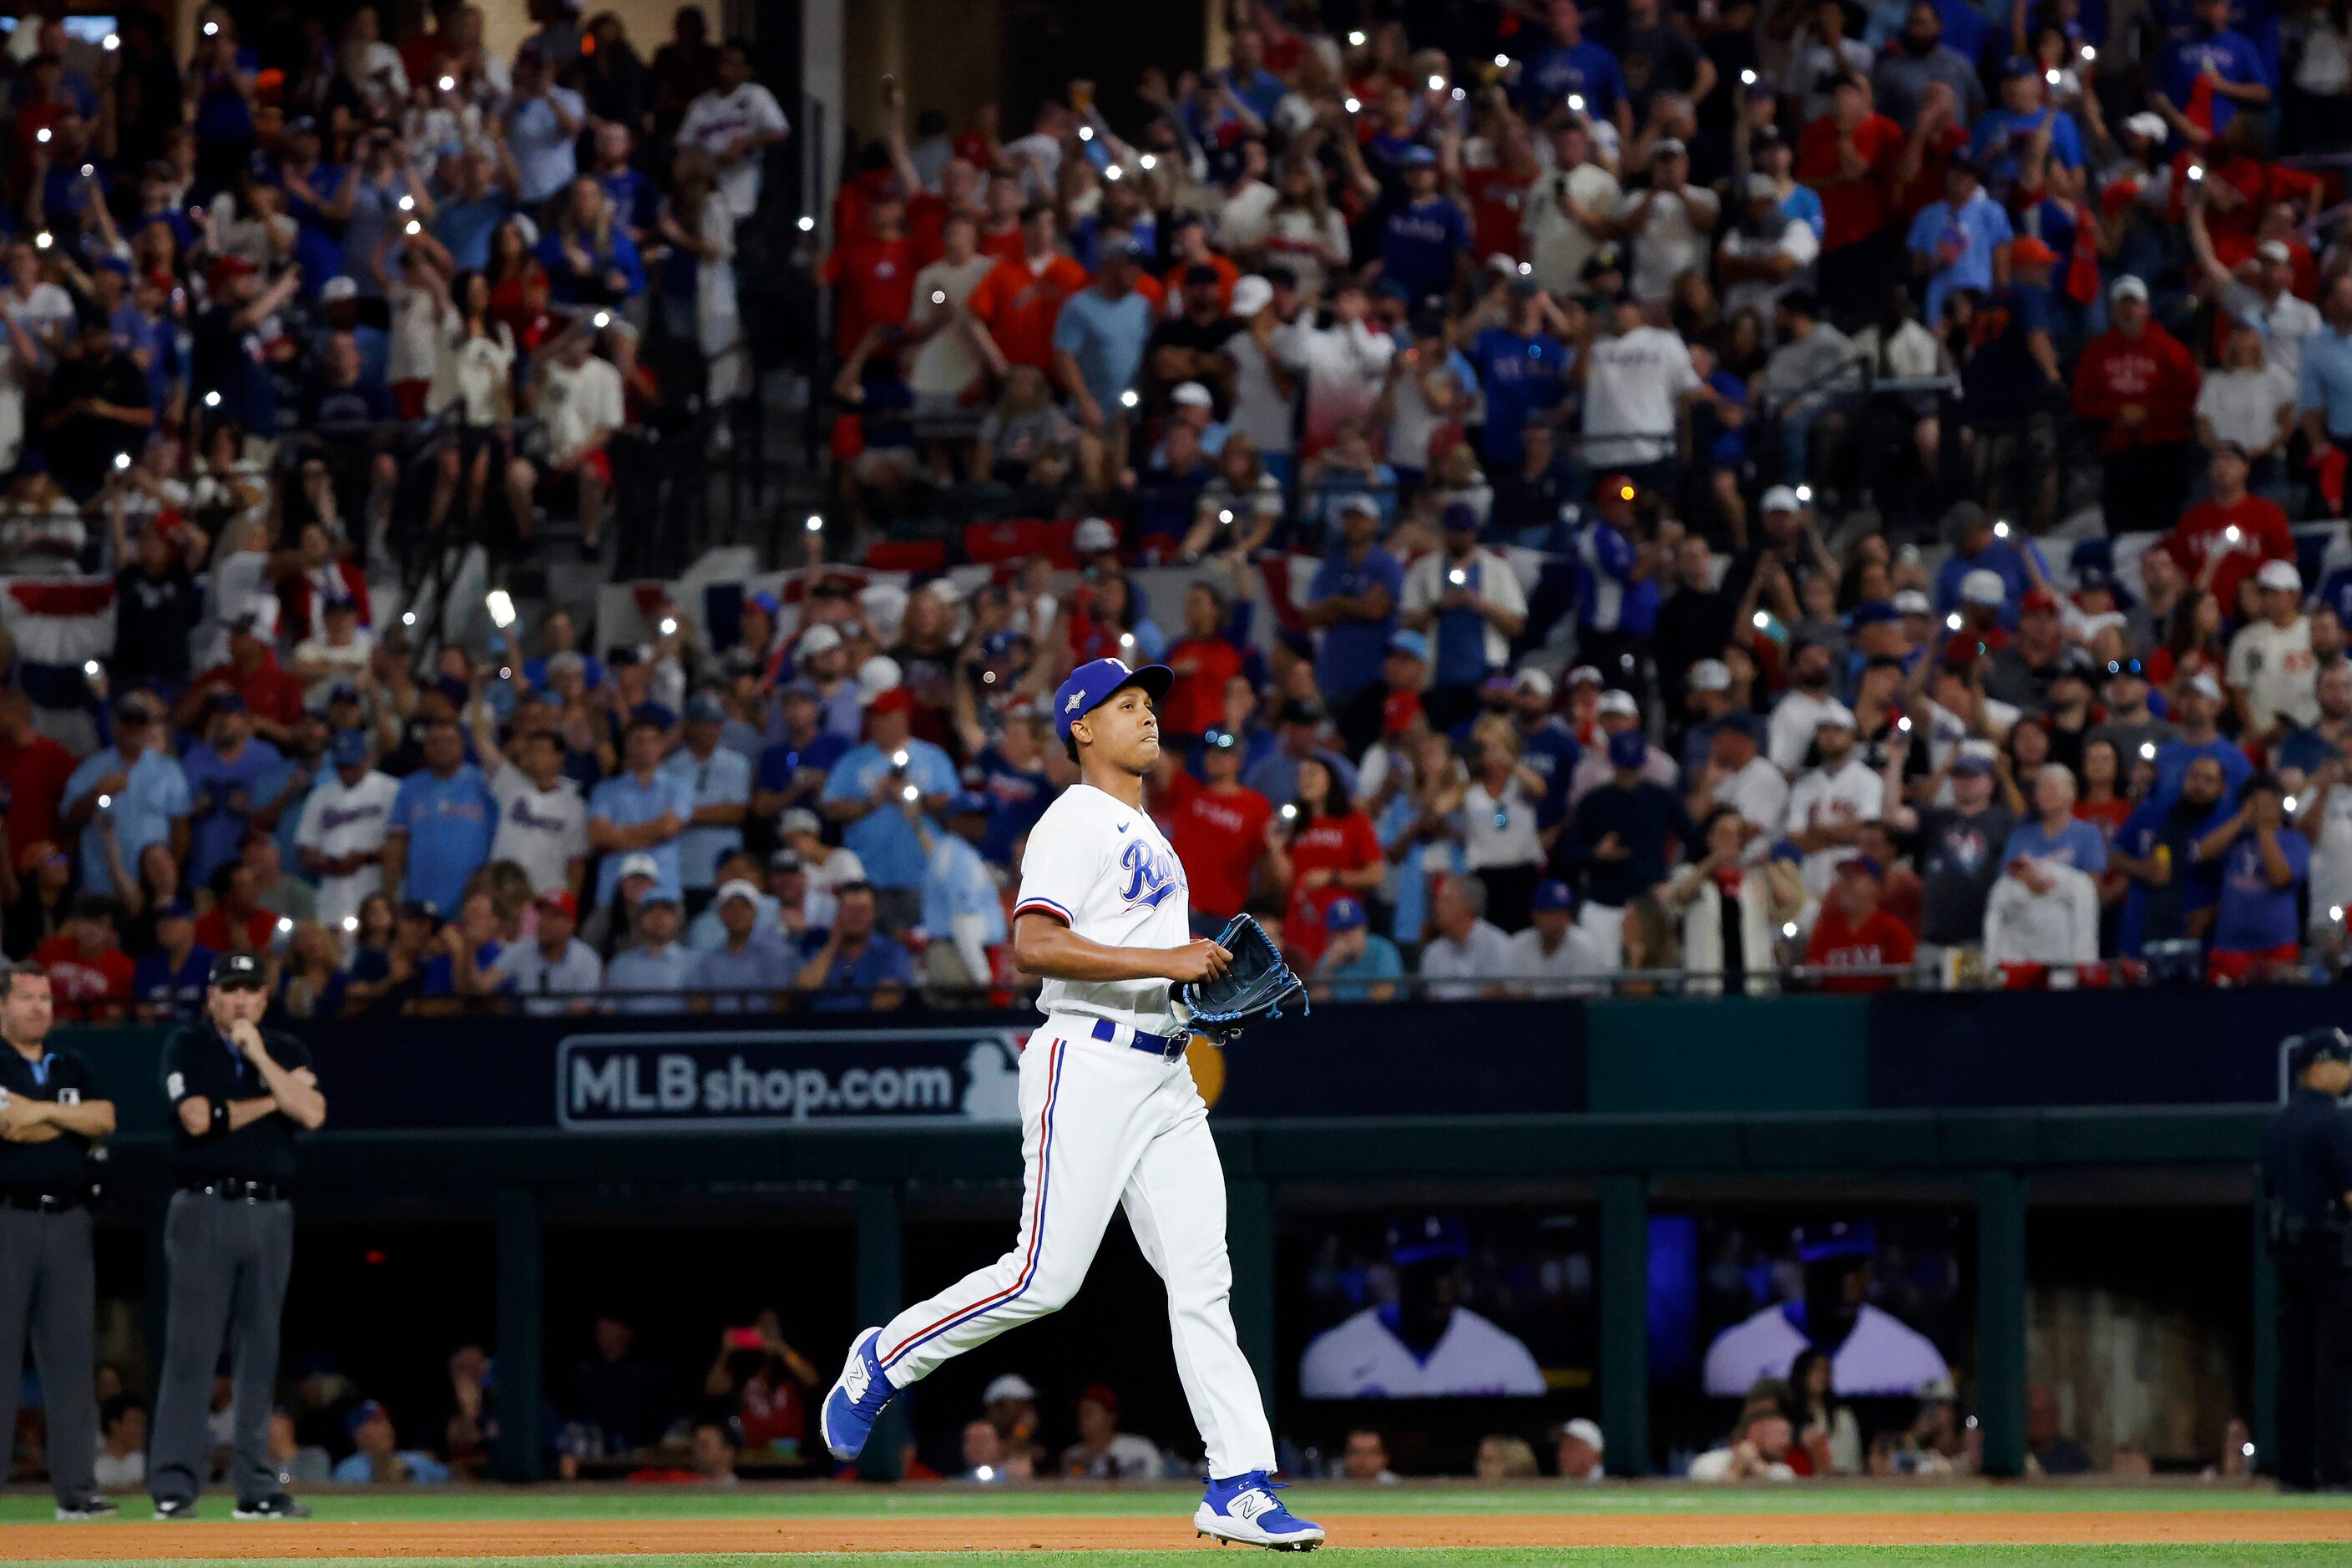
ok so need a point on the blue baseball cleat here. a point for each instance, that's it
(858, 1396)
(1244, 1508)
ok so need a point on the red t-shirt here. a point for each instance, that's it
(1005, 245)
(1219, 838)
(926, 217)
(1196, 700)
(270, 691)
(34, 775)
(873, 283)
(213, 931)
(2262, 535)
(771, 1414)
(1879, 940)
(1851, 210)
(1019, 307)
(1327, 843)
(78, 977)
(1926, 187)
(1496, 201)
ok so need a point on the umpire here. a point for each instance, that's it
(50, 1117)
(239, 1095)
(2307, 1188)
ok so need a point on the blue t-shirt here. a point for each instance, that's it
(156, 979)
(1106, 338)
(764, 965)
(2254, 916)
(1804, 204)
(2079, 844)
(2003, 378)
(2233, 58)
(1380, 962)
(449, 822)
(2000, 557)
(1999, 145)
(222, 794)
(883, 839)
(1550, 74)
(1974, 232)
(465, 228)
(157, 791)
(883, 963)
(1609, 598)
(1418, 243)
(780, 763)
(2173, 759)
(1354, 649)
(2195, 883)
(1551, 752)
(2305, 751)
(627, 801)
(724, 778)
(1016, 797)
(1521, 376)
(956, 883)
(1459, 650)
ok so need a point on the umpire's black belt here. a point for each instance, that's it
(237, 1190)
(1167, 1048)
(41, 1202)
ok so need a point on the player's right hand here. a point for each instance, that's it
(1197, 960)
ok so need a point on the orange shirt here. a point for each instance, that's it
(1019, 306)
(1228, 276)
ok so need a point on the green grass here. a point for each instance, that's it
(1482, 1557)
(1318, 1500)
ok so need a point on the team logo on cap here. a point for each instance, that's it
(1072, 705)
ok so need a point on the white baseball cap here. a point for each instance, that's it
(1912, 601)
(2148, 124)
(2274, 250)
(1585, 1431)
(1584, 675)
(817, 640)
(1710, 675)
(1620, 702)
(1093, 535)
(738, 888)
(2280, 577)
(2205, 686)
(877, 675)
(1837, 714)
(1250, 294)
(338, 289)
(1534, 681)
(799, 819)
(640, 864)
(1983, 587)
(2127, 288)
(1780, 497)
(1011, 1385)
(1190, 395)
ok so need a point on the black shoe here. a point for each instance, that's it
(176, 1507)
(90, 1507)
(277, 1505)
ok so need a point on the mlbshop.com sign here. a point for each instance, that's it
(616, 1082)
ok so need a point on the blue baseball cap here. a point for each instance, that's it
(1094, 683)
(1426, 1240)
(349, 748)
(1786, 850)
(1872, 612)
(766, 602)
(1461, 517)
(1345, 914)
(177, 909)
(705, 708)
(1418, 157)
(1410, 642)
(1628, 748)
(365, 1411)
(1863, 864)
(1553, 894)
(1002, 641)
(1843, 1238)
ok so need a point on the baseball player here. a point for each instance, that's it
(1108, 1115)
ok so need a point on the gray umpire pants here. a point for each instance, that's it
(49, 1285)
(229, 1261)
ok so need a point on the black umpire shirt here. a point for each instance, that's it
(201, 1063)
(2307, 1158)
(59, 1167)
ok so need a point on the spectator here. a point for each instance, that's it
(720, 782)
(883, 792)
(2170, 896)
(2263, 864)
(556, 962)
(542, 821)
(1617, 841)
(1353, 601)
(736, 122)
(128, 795)
(1468, 601)
(1577, 1448)
(378, 1459)
(1757, 1449)
(2273, 674)
(653, 972)
(1846, 151)
(1365, 1458)
(88, 971)
(748, 964)
(964, 908)
(170, 978)
(1829, 803)
(1853, 932)
(1551, 955)
(582, 408)
(1357, 963)
(539, 122)
(2139, 386)
(1321, 847)
(1103, 1452)
(855, 966)
(1503, 1458)
(121, 1464)
(443, 820)
(2049, 1451)
(1466, 955)
(1731, 910)
(642, 809)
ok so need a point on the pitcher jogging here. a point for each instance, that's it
(1109, 1114)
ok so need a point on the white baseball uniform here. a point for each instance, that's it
(1103, 1122)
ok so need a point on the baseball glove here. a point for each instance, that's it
(1257, 984)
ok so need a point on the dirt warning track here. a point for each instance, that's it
(535, 1538)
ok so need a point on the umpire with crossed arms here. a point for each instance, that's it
(2307, 1189)
(238, 1096)
(49, 1116)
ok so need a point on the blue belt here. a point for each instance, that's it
(1167, 1048)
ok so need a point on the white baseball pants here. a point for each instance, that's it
(1100, 1124)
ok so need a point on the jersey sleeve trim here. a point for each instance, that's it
(1043, 905)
